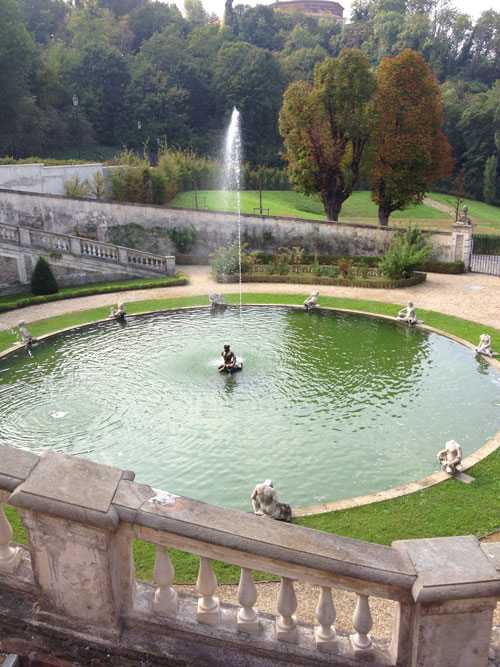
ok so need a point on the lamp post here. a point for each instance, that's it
(75, 104)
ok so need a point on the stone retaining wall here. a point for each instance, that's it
(98, 219)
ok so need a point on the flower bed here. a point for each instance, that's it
(309, 279)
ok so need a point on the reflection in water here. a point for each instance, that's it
(328, 405)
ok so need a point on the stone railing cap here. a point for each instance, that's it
(71, 488)
(261, 536)
(15, 466)
(450, 568)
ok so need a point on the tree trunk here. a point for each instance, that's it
(383, 216)
(332, 205)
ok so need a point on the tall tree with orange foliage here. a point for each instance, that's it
(410, 150)
(326, 127)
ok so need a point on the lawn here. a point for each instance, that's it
(296, 205)
(488, 216)
(450, 508)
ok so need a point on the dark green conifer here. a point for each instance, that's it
(42, 278)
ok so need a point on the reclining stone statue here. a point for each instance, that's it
(408, 314)
(265, 503)
(27, 338)
(311, 301)
(451, 458)
(118, 314)
(217, 300)
(484, 346)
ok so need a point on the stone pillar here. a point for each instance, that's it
(454, 596)
(24, 236)
(82, 565)
(123, 255)
(462, 239)
(170, 263)
(75, 245)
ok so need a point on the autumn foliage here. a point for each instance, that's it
(410, 151)
(326, 126)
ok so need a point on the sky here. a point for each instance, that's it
(472, 7)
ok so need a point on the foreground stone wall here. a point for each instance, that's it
(75, 588)
(215, 229)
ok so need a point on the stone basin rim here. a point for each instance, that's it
(396, 492)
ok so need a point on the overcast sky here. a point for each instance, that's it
(472, 7)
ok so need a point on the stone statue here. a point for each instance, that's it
(118, 314)
(230, 363)
(217, 300)
(265, 503)
(25, 334)
(451, 457)
(408, 314)
(464, 218)
(484, 346)
(311, 301)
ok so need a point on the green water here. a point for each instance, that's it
(328, 405)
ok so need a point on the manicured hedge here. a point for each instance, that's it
(89, 290)
(308, 279)
(434, 266)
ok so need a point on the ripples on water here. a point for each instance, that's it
(328, 405)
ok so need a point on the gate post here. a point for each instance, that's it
(461, 243)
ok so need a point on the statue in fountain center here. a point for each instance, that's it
(25, 334)
(118, 314)
(265, 503)
(230, 363)
(451, 458)
(408, 314)
(311, 301)
(484, 346)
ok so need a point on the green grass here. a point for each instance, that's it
(296, 205)
(488, 215)
(450, 508)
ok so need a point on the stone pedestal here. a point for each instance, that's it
(454, 598)
(83, 568)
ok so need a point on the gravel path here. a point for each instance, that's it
(448, 294)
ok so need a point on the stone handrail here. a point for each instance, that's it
(86, 248)
(81, 517)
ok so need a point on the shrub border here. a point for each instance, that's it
(309, 279)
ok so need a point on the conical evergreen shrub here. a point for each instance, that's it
(42, 278)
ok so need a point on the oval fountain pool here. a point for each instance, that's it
(329, 405)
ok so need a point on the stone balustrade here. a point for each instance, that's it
(77, 582)
(86, 248)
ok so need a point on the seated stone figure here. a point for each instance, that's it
(25, 334)
(265, 503)
(408, 314)
(217, 300)
(311, 301)
(484, 346)
(450, 458)
(230, 363)
(118, 314)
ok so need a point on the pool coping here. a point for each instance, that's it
(396, 492)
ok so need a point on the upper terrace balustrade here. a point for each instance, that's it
(81, 517)
(81, 247)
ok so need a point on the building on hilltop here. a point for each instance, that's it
(320, 8)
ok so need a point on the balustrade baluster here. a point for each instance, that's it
(166, 597)
(285, 626)
(324, 634)
(362, 621)
(248, 616)
(10, 557)
(208, 606)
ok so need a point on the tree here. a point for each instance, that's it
(326, 126)
(410, 150)
(490, 181)
(42, 278)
